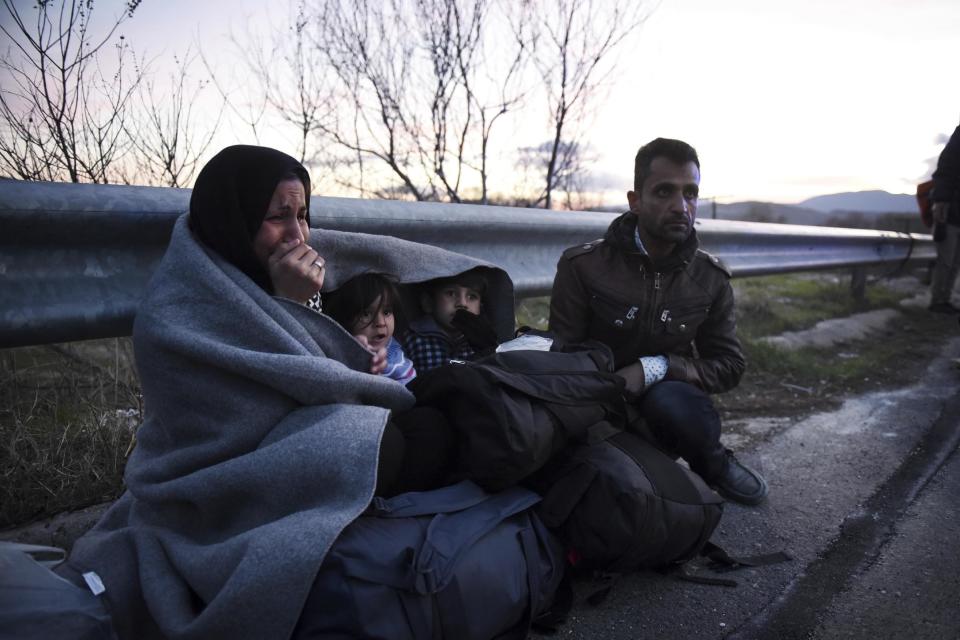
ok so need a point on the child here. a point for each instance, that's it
(369, 306)
(452, 327)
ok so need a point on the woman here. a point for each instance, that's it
(268, 240)
(264, 427)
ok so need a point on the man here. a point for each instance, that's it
(665, 308)
(946, 215)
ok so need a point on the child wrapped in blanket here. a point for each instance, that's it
(453, 325)
(368, 306)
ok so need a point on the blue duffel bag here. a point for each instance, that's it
(37, 604)
(455, 562)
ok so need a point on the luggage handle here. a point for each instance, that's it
(453, 529)
(45, 556)
(447, 539)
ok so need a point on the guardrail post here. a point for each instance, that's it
(858, 283)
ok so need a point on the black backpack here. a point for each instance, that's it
(620, 504)
(515, 410)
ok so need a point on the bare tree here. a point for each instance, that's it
(420, 109)
(62, 111)
(167, 139)
(367, 46)
(569, 173)
(573, 56)
(504, 91)
(293, 78)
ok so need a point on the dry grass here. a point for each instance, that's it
(67, 424)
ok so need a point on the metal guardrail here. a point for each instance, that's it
(75, 259)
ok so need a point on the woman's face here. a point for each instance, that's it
(286, 220)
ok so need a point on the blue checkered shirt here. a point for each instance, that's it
(429, 346)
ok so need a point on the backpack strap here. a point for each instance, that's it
(450, 535)
(45, 556)
(450, 601)
(723, 562)
(449, 499)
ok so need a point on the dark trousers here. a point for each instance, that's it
(417, 452)
(683, 422)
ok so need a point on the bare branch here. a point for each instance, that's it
(62, 116)
(168, 140)
(580, 37)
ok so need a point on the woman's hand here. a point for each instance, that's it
(296, 270)
(378, 359)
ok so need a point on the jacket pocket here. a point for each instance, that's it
(684, 321)
(614, 315)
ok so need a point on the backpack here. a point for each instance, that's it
(514, 410)
(455, 562)
(620, 504)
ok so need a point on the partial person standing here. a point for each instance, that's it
(666, 309)
(946, 215)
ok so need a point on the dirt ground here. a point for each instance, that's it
(819, 379)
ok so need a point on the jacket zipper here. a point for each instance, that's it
(654, 305)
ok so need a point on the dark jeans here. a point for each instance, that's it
(416, 453)
(684, 422)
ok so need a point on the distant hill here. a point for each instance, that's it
(863, 202)
(765, 212)
(858, 210)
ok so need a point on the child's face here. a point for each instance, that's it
(375, 323)
(449, 299)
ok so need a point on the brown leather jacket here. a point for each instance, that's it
(680, 306)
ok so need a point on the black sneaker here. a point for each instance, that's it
(943, 307)
(740, 483)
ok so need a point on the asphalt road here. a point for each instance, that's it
(864, 498)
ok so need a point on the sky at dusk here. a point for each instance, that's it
(783, 100)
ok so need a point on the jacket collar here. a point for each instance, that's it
(426, 325)
(620, 236)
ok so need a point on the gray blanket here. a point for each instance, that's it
(260, 443)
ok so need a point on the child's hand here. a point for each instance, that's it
(378, 360)
(296, 270)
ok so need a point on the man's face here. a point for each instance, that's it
(666, 207)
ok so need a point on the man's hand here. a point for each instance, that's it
(632, 374)
(296, 270)
(378, 359)
(939, 211)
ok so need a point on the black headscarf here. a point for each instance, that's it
(230, 199)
